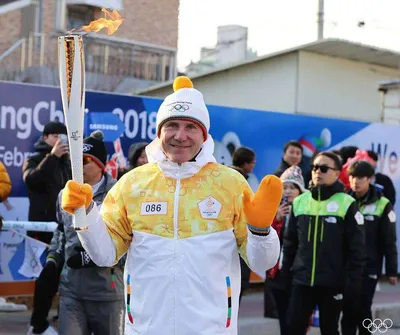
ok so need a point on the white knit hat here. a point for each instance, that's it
(294, 175)
(186, 103)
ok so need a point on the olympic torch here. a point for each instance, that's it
(72, 85)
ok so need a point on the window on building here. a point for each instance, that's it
(79, 16)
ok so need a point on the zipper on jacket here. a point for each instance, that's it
(176, 211)
(315, 241)
(309, 229)
(176, 203)
(322, 231)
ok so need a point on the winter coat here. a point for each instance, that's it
(181, 226)
(324, 245)
(5, 183)
(380, 233)
(44, 175)
(89, 283)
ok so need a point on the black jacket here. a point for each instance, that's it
(380, 232)
(135, 150)
(44, 175)
(324, 244)
(304, 166)
(281, 168)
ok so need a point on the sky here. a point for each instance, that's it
(280, 24)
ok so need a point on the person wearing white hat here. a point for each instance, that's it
(181, 219)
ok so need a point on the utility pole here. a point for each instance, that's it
(320, 19)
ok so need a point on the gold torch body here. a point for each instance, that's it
(72, 86)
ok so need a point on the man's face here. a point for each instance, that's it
(181, 140)
(359, 185)
(51, 139)
(249, 167)
(91, 171)
(292, 155)
(324, 171)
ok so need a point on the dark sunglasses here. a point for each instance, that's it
(87, 160)
(322, 168)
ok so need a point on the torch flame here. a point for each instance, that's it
(111, 21)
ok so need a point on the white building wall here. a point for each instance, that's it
(267, 85)
(390, 106)
(336, 87)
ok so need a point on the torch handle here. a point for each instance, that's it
(80, 219)
(76, 156)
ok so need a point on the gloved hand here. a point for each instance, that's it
(48, 278)
(75, 196)
(47, 283)
(261, 210)
(80, 260)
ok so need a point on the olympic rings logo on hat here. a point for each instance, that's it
(377, 325)
(179, 108)
(87, 147)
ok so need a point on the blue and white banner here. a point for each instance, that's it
(25, 109)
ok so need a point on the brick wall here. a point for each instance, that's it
(49, 12)
(149, 21)
(10, 27)
(10, 24)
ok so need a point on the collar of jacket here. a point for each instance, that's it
(284, 166)
(370, 197)
(184, 170)
(42, 146)
(107, 184)
(324, 192)
(240, 170)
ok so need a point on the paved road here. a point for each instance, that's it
(251, 320)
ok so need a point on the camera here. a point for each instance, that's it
(63, 138)
(285, 200)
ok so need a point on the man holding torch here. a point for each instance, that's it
(181, 220)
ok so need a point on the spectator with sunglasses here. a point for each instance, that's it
(324, 249)
(380, 229)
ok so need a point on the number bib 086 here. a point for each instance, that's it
(154, 208)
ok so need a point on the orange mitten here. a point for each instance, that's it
(75, 196)
(261, 210)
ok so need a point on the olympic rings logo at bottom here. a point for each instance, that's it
(378, 325)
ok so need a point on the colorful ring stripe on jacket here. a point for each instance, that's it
(229, 293)
(112, 278)
(128, 298)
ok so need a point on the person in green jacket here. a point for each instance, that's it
(324, 249)
(380, 234)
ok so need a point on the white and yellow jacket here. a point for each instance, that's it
(182, 226)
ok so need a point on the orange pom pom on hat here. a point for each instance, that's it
(186, 103)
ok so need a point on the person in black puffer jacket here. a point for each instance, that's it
(380, 229)
(45, 174)
(324, 249)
